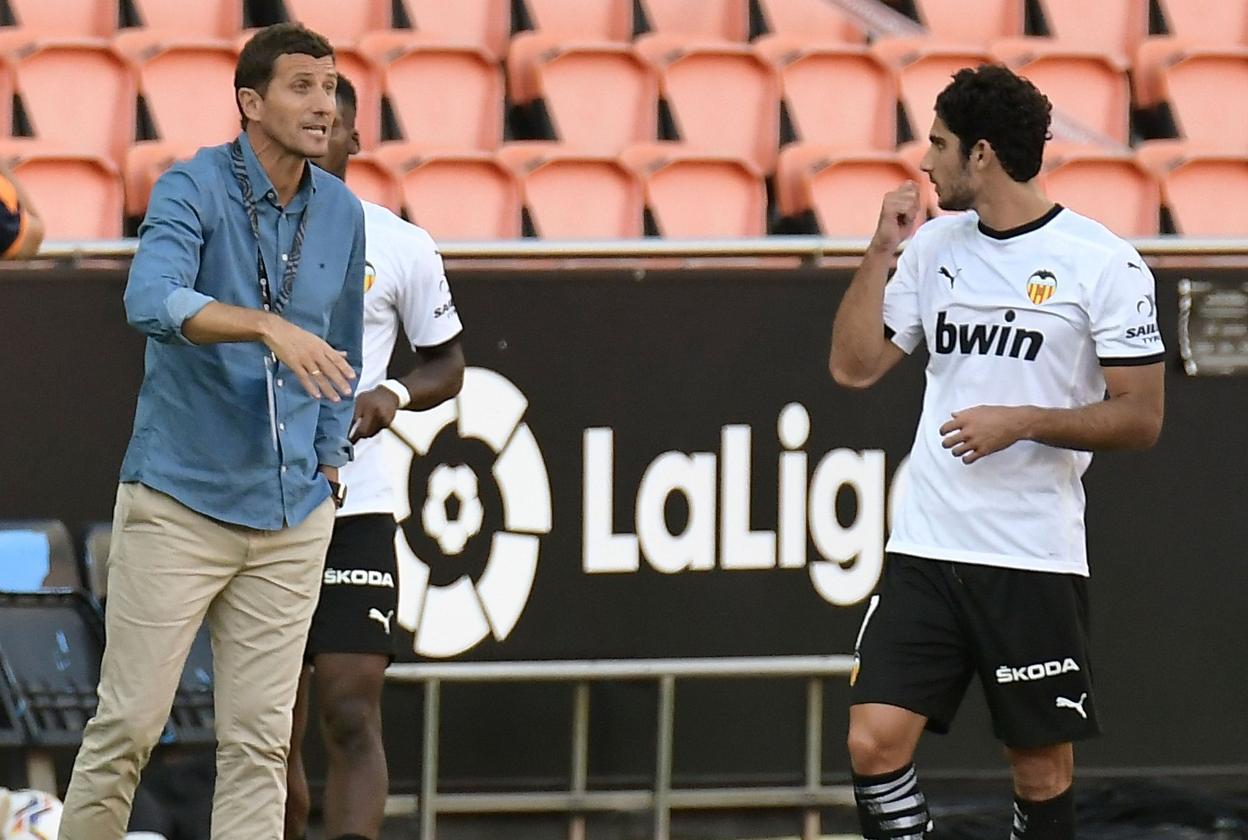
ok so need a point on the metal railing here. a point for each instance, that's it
(578, 800)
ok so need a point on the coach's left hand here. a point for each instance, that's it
(374, 411)
(975, 432)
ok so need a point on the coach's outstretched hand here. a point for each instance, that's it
(898, 217)
(322, 370)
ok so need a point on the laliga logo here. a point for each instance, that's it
(452, 618)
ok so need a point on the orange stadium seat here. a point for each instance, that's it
(1207, 21)
(1110, 186)
(723, 97)
(840, 190)
(95, 211)
(835, 94)
(610, 20)
(169, 71)
(456, 195)
(727, 19)
(951, 20)
(1185, 76)
(923, 68)
(697, 195)
(201, 19)
(372, 180)
(483, 23)
(1205, 191)
(598, 96)
(1111, 26)
(1084, 84)
(557, 185)
(338, 21)
(42, 19)
(815, 19)
(445, 96)
(99, 117)
(7, 87)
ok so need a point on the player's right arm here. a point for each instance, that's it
(861, 351)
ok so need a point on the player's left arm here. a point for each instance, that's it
(1130, 417)
(1122, 315)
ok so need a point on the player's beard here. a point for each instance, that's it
(957, 195)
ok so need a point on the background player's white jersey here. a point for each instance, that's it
(404, 281)
(1023, 317)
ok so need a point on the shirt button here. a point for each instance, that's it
(283, 258)
(281, 427)
(283, 469)
(281, 382)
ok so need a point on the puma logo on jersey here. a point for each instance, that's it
(358, 577)
(1037, 671)
(987, 339)
(381, 618)
(944, 272)
(1066, 703)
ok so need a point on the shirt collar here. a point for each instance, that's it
(263, 188)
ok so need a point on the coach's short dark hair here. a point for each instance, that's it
(346, 93)
(992, 103)
(258, 56)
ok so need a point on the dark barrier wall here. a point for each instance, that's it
(595, 393)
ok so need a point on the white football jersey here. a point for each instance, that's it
(404, 282)
(1021, 317)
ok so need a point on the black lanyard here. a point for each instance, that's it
(296, 248)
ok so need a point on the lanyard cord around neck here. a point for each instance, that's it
(296, 248)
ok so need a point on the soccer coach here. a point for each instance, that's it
(248, 283)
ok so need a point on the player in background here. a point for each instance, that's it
(350, 643)
(1043, 346)
(21, 228)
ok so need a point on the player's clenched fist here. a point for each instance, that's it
(898, 217)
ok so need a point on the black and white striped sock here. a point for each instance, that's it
(891, 806)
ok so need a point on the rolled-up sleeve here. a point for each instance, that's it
(346, 332)
(160, 294)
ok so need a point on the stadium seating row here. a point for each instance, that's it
(595, 96)
(544, 189)
(1109, 25)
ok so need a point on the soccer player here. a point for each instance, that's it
(350, 643)
(1042, 337)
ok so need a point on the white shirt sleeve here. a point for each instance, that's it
(424, 299)
(903, 319)
(1122, 310)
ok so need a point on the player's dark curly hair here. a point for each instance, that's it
(255, 61)
(992, 103)
(345, 93)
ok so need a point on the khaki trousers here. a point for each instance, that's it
(169, 569)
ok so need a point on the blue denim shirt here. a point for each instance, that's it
(202, 431)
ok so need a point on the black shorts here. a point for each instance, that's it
(359, 591)
(933, 624)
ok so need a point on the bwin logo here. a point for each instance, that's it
(449, 619)
(987, 339)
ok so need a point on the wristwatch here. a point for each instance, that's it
(337, 492)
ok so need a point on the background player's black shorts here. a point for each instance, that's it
(933, 624)
(359, 591)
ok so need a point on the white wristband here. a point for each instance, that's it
(397, 388)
